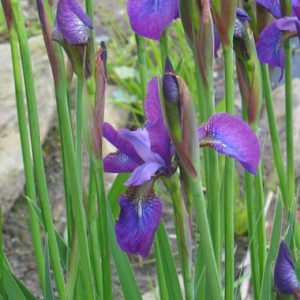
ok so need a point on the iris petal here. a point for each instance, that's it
(143, 173)
(73, 22)
(149, 18)
(114, 137)
(269, 47)
(232, 136)
(119, 162)
(273, 6)
(158, 135)
(285, 277)
(141, 212)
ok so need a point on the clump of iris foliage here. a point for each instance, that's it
(180, 148)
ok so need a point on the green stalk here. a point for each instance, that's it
(229, 180)
(103, 228)
(183, 234)
(273, 132)
(36, 148)
(27, 159)
(289, 127)
(141, 52)
(95, 247)
(252, 235)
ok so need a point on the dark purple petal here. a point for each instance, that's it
(269, 46)
(242, 15)
(149, 18)
(158, 135)
(143, 173)
(217, 41)
(273, 6)
(141, 212)
(232, 136)
(285, 277)
(119, 162)
(120, 143)
(73, 22)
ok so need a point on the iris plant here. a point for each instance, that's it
(149, 18)
(285, 277)
(270, 48)
(147, 153)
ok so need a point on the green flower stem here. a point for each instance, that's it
(36, 148)
(261, 225)
(103, 228)
(141, 52)
(252, 234)
(183, 234)
(273, 132)
(229, 180)
(206, 108)
(27, 159)
(95, 247)
(289, 127)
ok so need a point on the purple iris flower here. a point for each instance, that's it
(285, 277)
(72, 23)
(271, 40)
(149, 18)
(232, 136)
(146, 154)
(241, 18)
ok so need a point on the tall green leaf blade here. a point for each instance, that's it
(127, 280)
(168, 264)
(48, 286)
(266, 287)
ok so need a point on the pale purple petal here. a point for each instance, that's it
(287, 23)
(285, 277)
(119, 162)
(232, 136)
(273, 6)
(139, 139)
(120, 143)
(269, 46)
(158, 135)
(143, 173)
(149, 18)
(72, 22)
(140, 215)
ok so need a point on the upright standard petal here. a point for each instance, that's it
(273, 6)
(269, 46)
(149, 18)
(285, 277)
(155, 125)
(73, 22)
(232, 136)
(141, 212)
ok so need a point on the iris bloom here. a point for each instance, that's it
(147, 153)
(285, 277)
(72, 23)
(149, 18)
(271, 40)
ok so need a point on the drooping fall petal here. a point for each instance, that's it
(232, 136)
(119, 162)
(273, 6)
(285, 277)
(141, 212)
(149, 18)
